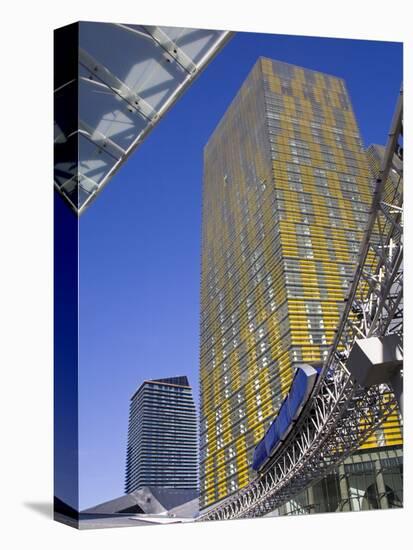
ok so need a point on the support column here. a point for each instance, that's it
(381, 486)
(396, 383)
(344, 489)
(311, 502)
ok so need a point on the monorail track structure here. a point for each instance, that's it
(341, 414)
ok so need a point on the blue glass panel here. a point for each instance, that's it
(283, 419)
(297, 392)
(260, 454)
(271, 437)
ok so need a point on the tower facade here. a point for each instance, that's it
(286, 196)
(162, 438)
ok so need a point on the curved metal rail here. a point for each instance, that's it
(340, 415)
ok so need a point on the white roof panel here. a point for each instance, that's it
(129, 75)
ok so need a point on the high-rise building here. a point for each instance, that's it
(162, 439)
(287, 190)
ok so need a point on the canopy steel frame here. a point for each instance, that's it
(80, 189)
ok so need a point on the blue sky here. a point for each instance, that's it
(140, 240)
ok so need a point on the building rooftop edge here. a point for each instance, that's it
(300, 67)
(258, 61)
(163, 382)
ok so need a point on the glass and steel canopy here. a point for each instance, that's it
(128, 77)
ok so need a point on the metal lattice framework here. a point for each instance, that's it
(341, 415)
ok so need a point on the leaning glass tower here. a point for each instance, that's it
(286, 195)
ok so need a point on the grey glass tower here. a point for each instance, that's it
(162, 438)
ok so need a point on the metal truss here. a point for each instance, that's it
(340, 415)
